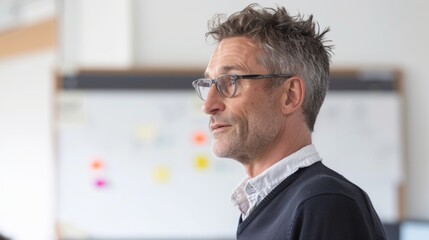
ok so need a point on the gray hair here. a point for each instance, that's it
(289, 44)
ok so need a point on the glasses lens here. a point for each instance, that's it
(226, 85)
(203, 87)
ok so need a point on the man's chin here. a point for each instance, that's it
(221, 152)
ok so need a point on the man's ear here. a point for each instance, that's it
(293, 95)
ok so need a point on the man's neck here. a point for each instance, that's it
(257, 166)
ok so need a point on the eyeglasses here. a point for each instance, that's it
(226, 85)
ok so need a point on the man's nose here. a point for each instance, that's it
(214, 102)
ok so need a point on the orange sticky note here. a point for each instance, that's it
(199, 138)
(97, 164)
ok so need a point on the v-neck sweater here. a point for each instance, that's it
(313, 203)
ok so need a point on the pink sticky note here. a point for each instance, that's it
(100, 183)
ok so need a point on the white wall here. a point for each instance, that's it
(26, 149)
(96, 33)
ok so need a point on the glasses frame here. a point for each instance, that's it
(235, 78)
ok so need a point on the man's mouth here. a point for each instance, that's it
(218, 127)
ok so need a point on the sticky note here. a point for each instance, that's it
(71, 110)
(201, 163)
(199, 138)
(161, 174)
(100, 183)
(97, 164)
(146, 132)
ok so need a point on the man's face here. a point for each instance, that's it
(244, 126)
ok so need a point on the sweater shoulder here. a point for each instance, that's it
(320, 180)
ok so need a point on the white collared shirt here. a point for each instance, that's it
(251, 191)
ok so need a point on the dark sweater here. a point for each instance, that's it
(313, 203)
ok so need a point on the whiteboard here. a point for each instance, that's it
(139, 164)
(136, 163)
(358, 134)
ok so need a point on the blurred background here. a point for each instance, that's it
(53, 187)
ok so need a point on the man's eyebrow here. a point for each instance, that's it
(224, 70)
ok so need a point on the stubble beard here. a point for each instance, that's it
(230, 147)
(245, 149)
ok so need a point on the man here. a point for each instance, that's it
(263, 89)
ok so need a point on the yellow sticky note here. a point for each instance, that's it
(146, 132)
(161, 174)
(201, 163)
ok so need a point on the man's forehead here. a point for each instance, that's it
(221, 70)
(232, 54)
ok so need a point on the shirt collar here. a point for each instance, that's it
(252, 190)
